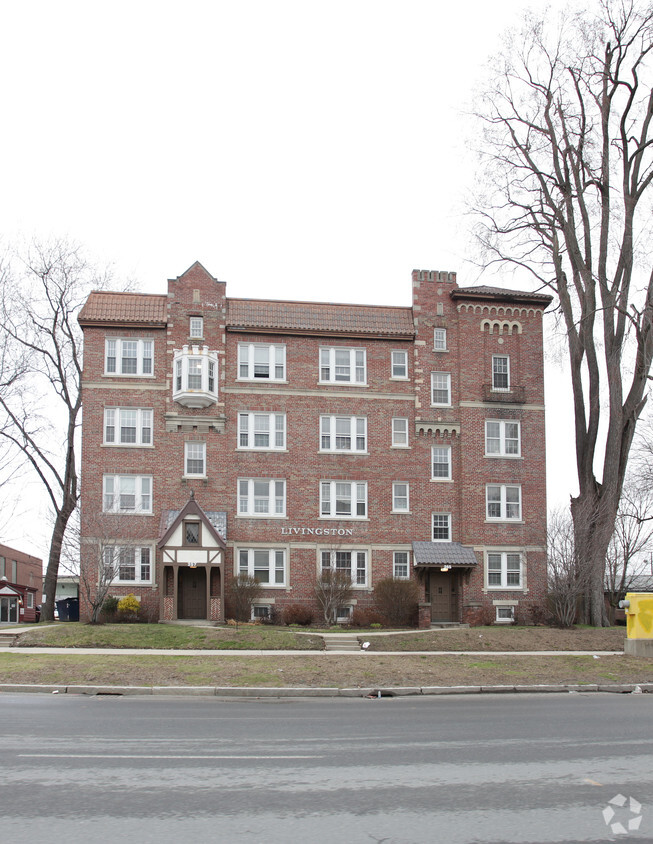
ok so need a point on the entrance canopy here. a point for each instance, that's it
(443, 555)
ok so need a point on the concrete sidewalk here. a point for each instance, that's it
(324, 653)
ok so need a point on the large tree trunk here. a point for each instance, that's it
(594, 516)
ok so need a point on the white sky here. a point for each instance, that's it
(299, 150)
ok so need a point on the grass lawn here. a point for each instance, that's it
(321, 670)
(246, 637)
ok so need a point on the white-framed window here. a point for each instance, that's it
(261, 361)
(502, 438)
(127, 494)
(262, 497)
(267, 565)
(503, 502)
(400, 497)
(128, 563)
(441, 463)
(128, 356)
(343, 614)
(440, 339)
(353, 562)
(504, 569)
(441, 527)
(343, 366)
(195, 460)
(30, 600)
(400, 365)
(343, 499)
(343, 433)
(127, 426)
(195, 382)
(262, 431)
(400, 565)
(500, 372)
(260, 612)
(505, 614)
(400, 432)
(196, 327)
(441, 389)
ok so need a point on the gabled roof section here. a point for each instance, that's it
(170, 519)
(494, 293)
(321, 318)
(128, 309)
(451, 554)
(194, 267)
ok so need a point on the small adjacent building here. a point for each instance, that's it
(281, 439)
(21, 576)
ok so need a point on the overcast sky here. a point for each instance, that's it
(299, 150)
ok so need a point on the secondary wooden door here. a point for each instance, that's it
(441, 596)
(192, 593)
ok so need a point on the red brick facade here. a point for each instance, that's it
(253, 391)
(21, 576)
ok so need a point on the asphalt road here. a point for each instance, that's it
(495, 768)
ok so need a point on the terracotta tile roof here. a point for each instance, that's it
(443, 554)
(124, 309)
(486, 292)
(319, 318)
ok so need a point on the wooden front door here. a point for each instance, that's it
(442, 596)
(192, 593)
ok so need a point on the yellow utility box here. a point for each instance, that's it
(638, 607)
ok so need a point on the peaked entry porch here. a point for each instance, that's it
(193, 548)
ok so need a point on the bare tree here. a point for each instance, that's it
(564, 583)
(101, 562)
(568, 157)
(631, 543)
(333, 589)
(40, 398)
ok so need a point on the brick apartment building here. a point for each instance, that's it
(21, 576)
(282, 438)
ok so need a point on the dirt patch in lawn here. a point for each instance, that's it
(321, 670)
(504, 639)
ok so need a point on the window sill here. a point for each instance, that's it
(441, 480)
(504, 456)
(260, 516)
(127, 445)
(343, 518)
(401, 512)
(262, 381)
(401, 446)
(441, 350)
(399, 378)
(260, 450)
(443, 406)
(342, 384)
(505, 522)
(342, 451)
(127, 375)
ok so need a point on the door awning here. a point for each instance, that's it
(451, 554)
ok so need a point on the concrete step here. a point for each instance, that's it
(7, 638)
(344, 643)
(444, 625)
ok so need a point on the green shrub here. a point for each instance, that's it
(129, 608)
(396, 600)
(297, 614)
(110, 606)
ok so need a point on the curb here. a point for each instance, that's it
(306, 692)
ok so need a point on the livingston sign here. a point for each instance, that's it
(307, 531)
